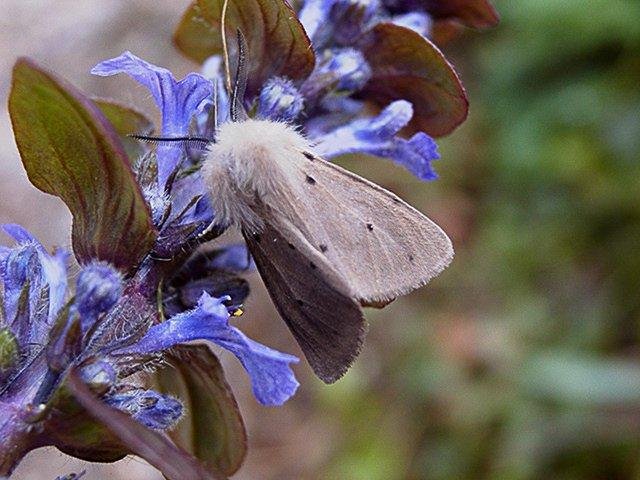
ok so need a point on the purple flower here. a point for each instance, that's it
(272, 379)
(178, 199)
(178, 101)
(337, 29)
(106, 333)
(343, 22)
(377, 136)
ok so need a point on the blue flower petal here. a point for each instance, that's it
(235, 258)
(177, 101)
(21, 268)
(351, 18)
(419, 22)
(271, 376)
(342, 69)
(30, 261)
(4, 253)
(98, 288)
(19, 234)
(390, 121)
(314, 17)
(212, 68)
(184, 211)
(377, 136)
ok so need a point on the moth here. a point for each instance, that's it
(326, 242)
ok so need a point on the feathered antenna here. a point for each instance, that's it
(186, 141)
(240, 82)
(236, 90)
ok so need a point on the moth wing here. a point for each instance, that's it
(311, 296)
(383, 247)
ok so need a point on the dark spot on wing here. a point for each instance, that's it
(370, 227)
(311, 180)
(396, 199)
(300, 303)
(323, 248)
(309, 156)
(313, 266)
(291, 246)
(257, 238)
(411, 258)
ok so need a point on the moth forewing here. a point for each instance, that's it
(383, 247)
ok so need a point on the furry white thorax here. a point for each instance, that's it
(250, 162)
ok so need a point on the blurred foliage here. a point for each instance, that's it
(523, 360)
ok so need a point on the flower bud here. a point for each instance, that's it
(348, 66)
(149, 407)
(280, 100)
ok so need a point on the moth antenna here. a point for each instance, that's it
(215, 105)
(225, 48)
(184, 141)
(240, 83)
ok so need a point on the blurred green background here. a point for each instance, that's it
(524, 361)
(520, 362)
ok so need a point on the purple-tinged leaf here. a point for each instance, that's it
(155, 448)
(69, 149)
(71, 430)
(212, 429)
(81, 436)
(407, 66)
(474, 13)
(277, 42)
(126, 121)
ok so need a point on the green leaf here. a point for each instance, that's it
(277, 42)
(126, 121)
(213, 430)
(407, 66)
(474, 13)
(69, 149)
